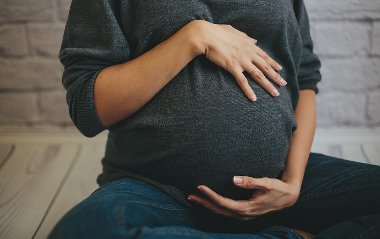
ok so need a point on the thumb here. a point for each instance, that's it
(252, 183)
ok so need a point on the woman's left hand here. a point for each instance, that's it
(271, 195)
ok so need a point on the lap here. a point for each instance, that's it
(129, 208)
(123, 204)
(333, 189)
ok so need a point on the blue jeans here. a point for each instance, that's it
(339, 199)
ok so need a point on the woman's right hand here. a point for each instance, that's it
(236, 52)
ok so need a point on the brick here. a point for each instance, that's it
(341, 38)
(373, 107)
(30, 73)
(45, 39)
(26, 10)
(341, 109)
(343, 9)
(53, 106)
(376, 39)
(18, 107)
(63, 9)
(355, 74)
(13, 40)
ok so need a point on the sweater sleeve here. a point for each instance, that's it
(93, 40)
(309, 70)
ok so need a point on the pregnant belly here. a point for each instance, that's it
(205, 135)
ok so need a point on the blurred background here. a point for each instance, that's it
(346, 35)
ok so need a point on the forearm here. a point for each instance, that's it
(302, 138)
(120, 90)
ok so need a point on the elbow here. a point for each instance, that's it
(86, 122)
(83, 113)
(89, 133)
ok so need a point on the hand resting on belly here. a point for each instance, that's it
(212, 132)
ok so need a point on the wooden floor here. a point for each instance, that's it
(42, 176)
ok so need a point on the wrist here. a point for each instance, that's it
(195, 34)
(293, 182)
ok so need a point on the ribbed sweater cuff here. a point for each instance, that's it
(88, 121)
(311, 86)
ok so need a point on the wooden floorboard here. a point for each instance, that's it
(353, 152)
(6, 150)
(28, 182)
(79, 184)
(320, 148)
(372, 152)
(335, 150)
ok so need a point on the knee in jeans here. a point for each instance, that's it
(88, 218)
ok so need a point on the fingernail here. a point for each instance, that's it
(253, 97)
(279, 67)
(275, 92)
(189, 198)
(283, 82)
(238, 179)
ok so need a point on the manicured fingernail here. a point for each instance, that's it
(238, 179)
(283, 82)
(279, 67)
(275, 92)
(253, 97)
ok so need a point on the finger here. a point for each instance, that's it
(267, 69)
(212, 206)
(220, 210)
(266, 57)
(237, 206)
(259, 77)
(243, 83)
(253, 183)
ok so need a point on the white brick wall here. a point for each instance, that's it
(31, 92)
(346, 35)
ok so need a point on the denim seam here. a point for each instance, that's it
(142, 202)
(148, 187)
(101, 189)
(128, 192)
(158, 206)
(176, 231)
(333, 192)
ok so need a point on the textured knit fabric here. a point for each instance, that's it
(200, 128)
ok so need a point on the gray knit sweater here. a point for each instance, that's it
(200, 128)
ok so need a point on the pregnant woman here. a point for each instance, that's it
(194, 93)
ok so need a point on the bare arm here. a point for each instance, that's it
(302, 138)
(308, 78)
(120, 90)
